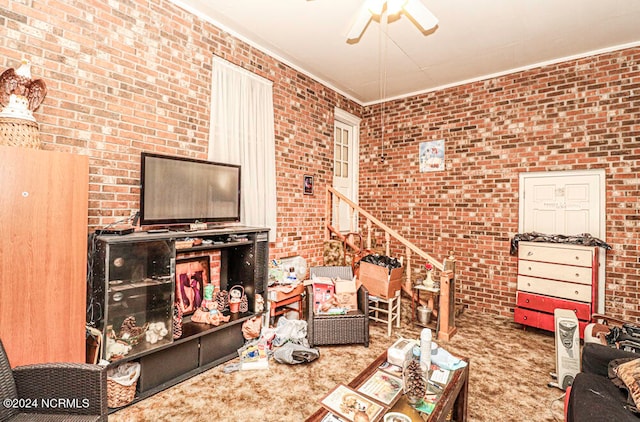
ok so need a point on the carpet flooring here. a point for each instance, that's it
(509, 372)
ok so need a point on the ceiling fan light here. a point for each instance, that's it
(376, 6)
(420, 14)
(395, 6)
(362, 20)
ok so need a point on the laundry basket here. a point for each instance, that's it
(121, 384)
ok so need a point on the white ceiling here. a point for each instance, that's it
(475, 39)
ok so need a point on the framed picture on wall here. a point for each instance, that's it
(431, 156)
(192, 274)
(308, 185)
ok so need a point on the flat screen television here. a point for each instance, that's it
(177, 190)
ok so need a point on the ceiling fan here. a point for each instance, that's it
(413, 9)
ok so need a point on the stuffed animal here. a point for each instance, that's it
(156, 332)
(116, 349)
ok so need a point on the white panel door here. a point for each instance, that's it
(568, 203)
(345, 170)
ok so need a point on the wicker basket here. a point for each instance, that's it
(119, 395)
(121, 384)
(19, 132)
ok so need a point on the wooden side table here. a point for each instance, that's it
(432, 301)
(281, 301)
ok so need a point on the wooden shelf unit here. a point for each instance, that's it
(243, 261)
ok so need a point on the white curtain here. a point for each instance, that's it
(242, 132)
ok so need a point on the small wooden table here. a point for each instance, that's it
(282, 302)
(453, 399)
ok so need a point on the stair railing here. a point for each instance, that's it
(446, 267)
(335, 198)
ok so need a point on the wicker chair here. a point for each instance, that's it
(352, 328)
(52, 391)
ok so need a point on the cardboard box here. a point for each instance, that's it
(347, 293)
(379, 280)
(322, 291)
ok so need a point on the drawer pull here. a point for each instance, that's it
(577, 275)
(526, 301)
(576, 292)
(528, 284)
(524, 318)
(529, 268)
(577, 258)
(529, 253)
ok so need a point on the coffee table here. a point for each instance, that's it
(453, 399)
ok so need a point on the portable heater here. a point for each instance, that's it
(567, 348)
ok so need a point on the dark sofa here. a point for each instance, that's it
(593, 396)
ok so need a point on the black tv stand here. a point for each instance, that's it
(243, 261)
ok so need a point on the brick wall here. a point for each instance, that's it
(132, 76)
(582, 114)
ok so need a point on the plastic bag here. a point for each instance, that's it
(251, 328)
(125, 374)
(291, 330)
(446, 360)
(382, 260)
(584, 239)
(295, 353)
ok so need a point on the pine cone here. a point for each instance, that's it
(244, 304)
(415, 385)
(222, 298)
(177, 321)
(129, 327)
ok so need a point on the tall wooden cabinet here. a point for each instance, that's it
(556, 275)
(43, 244)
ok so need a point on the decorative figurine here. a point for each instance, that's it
(20, 95)
(428, 281)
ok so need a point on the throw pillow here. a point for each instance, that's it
(629, 374)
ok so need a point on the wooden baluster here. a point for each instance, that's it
(352, 220)
(408, 283)
(336, 217)
(368, 233)
(327, 216)
(387, 240)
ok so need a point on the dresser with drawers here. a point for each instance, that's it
(555, 275)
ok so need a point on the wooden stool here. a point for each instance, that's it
(385, 310)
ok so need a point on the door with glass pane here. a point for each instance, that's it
(345, 172)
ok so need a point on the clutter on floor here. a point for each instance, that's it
(286, 343)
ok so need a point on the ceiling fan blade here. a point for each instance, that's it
(420, 14)
(362, 20)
